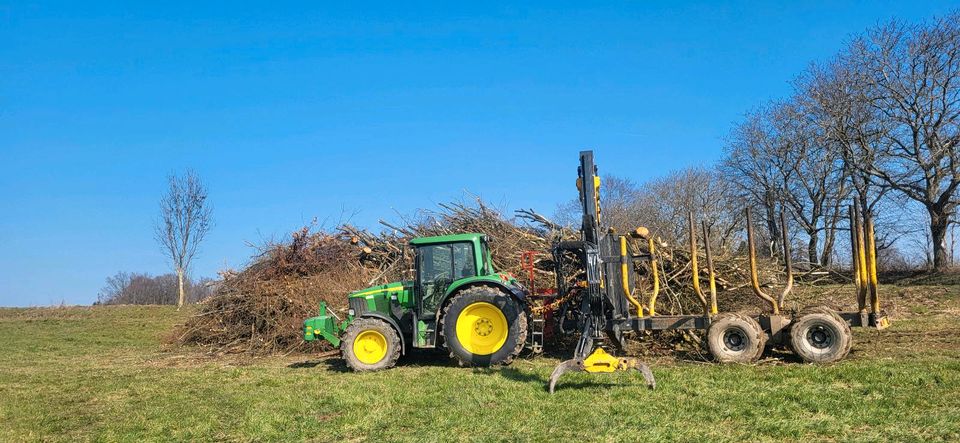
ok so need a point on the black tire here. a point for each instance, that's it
(735, 338)
(820, 336)
(516, 331)
(381, 327)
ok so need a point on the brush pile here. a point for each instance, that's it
(260, 309)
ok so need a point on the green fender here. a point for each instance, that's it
(509, 285)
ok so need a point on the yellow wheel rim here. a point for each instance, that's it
(482, 329)
(370, 347)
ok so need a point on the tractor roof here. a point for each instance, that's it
(446, 239)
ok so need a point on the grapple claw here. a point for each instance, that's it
(644, 369)
(563, 368)
(601, 362)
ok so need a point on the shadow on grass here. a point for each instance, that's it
(312, 363)
(331, 363)
(597, 380)
(335, 363)
(561, 386)
(512, 374)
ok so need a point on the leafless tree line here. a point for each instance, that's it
(125, 288)
(877, 126)
(663, 204)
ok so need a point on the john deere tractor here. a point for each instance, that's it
(457, 302)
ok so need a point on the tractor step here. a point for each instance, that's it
(537, 324)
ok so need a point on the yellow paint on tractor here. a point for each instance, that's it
(370, 347)
(377, 291)
(482, 328)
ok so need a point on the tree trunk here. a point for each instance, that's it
(812, 247)
(180, 290)
(830, 235)
(773, 228)
(939, 222)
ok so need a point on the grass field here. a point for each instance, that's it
(77, 374)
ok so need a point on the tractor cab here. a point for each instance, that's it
(411, 314)
(442, 261)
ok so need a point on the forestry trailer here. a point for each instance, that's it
(459, 303)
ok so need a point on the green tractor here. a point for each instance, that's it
(457, 302)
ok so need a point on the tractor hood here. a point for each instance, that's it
(380, 298)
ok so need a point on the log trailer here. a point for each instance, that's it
(459, 303)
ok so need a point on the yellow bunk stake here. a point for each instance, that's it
(872, 263)
(754, 278)
(861, 262)
(710, 269)
(644, 233)
(625, 277)
(651, 245)
(855, 261)
(787, 261)
(694, 250)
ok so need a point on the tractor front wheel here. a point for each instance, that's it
(370, 344)
(482, 326)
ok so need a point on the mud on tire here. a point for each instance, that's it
(820, 335)
(735, 338)
(468, 300)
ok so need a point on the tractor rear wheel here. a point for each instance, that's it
(820, 336)
(370, 344)
(482, 326)
(735, 338)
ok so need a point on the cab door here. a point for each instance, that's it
(438, 266)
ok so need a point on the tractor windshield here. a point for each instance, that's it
(440, 265)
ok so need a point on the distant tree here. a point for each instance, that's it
(662, 205)
(618, 196)
(666, 202)
(911, 77)
(754, 167)
(185, 219)
(114, 287)
(125, 288)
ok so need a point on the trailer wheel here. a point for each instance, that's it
(370, 344)
(482, 326)
(735, 338)
(821, 336)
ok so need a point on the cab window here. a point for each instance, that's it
(440, 265)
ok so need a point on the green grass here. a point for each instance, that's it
(77, 374)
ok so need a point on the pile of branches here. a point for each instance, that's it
(260, 309)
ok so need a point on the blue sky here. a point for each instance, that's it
(295, 111)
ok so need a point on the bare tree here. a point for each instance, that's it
(665, 202)
(185, 219)
(813, 178)
(755, 169)
(912, 76)
(617, 197)
(834, 97)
